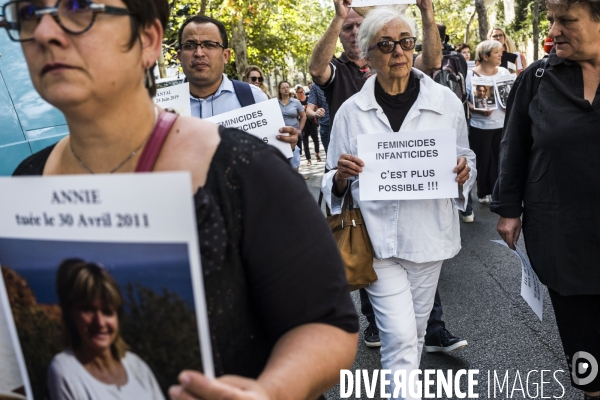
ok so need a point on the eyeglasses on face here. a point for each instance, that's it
(21, 17)
(204, 45)
(498, 36)
(388, 46)
(256, 78)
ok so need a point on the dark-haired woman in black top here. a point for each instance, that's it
(281, 320)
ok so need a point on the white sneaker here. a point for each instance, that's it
(468, 218)
(486, 199)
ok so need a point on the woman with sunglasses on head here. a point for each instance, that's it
(93, 61)
(511, 58)
(410, 238)
(254, 76)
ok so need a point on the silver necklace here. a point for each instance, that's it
(129, 157)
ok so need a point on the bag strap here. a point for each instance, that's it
(243, 92)
(539, 73)
(155, 143)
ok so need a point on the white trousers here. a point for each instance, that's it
(402, 298)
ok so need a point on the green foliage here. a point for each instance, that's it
(277, 31)
(162, 330)
(41, 339)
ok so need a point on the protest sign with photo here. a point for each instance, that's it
(262, 120)
(97, 265)
(503, 88)
(175, 98)
(408, 165)
(483, 94)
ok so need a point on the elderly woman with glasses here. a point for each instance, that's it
(410, 238)
(93, 62)
(255, 76)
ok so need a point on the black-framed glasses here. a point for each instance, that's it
(498, 36)
(204, 45)
(21, 17)
(388, 46)
(256, 78)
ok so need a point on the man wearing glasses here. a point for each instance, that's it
(203, 53)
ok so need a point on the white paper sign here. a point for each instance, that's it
(176, 98)
(369, 3)
(531, 287)
(139, 230)
(262, 120)
(408, 165)
(470, 65)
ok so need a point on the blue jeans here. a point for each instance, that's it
(324, 132)
(469, 209)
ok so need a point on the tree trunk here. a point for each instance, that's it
(467, 31)
(162, 69)
(203, 7)
(239, 45)
(536, 30)
(482, 19)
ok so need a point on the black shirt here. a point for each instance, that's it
(346, 80)
(509, 57)
(549, 163)
(252, 212)
(397, 107)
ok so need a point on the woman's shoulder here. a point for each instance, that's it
(135, 362)
(503, 72)
(35, 163)
(65, 361)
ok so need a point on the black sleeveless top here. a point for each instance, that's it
(269, 260)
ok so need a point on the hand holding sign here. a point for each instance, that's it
(462, 171)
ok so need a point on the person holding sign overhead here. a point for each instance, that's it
(410, 238)
(486, 123)
(94, 63)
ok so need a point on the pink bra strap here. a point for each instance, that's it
(155, 143)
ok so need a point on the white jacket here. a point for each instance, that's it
(415, 230)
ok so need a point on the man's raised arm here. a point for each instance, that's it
(325, 48)
(431, 58)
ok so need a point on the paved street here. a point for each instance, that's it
(480, 291)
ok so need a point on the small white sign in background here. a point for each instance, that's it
(531, 287)
(262, 120)
(408, 165)
(176, 97)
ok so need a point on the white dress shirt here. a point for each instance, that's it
(415, 230)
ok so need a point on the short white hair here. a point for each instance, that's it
(376, 19)
(485, 48)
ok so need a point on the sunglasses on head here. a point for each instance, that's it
(256, 78)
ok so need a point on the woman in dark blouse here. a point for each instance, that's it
(549, 163)
(281, 319)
